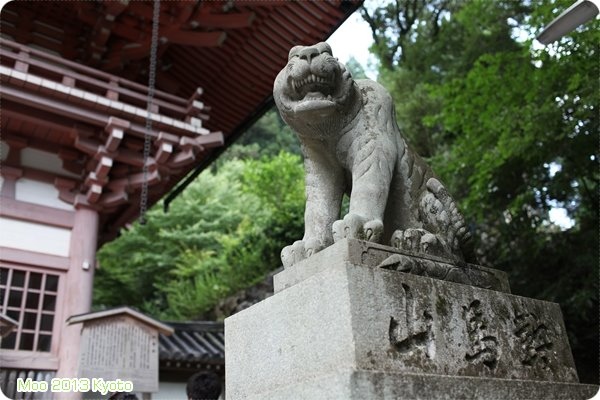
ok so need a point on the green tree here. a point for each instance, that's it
(443, 41)
(513, 132)
(131, 265)
(357, 70)
(393, 24)
(267, 137)
(524, 148)
(201, 278)
(221, 235)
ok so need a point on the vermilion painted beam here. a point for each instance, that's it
(295, 20)
(39, 40)
(72, 111)
(163, 152)
(214, 139)
(114, 139)
(93, 179)
(86, 74)
(37, 213)
(93, 194)
(183, 158)
(260, 3)
(185, 9)
(132, 51)
(25, 359)
(135, 51)
(37, 174)
(90, 17)
(313, 8)
(166, 82)
(197, 39)
(187, 143)
(93, 147)
(114, 7)
(114, 199)
(135, 181)
(143, 9)
(110, 86)
(223, 21)
(173, 34)
(66, 195)
(103, 167)
(72, 167)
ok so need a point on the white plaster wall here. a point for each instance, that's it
(34, 237)
(40, 193)
(44, 161)
(170, 391)
(4, 147)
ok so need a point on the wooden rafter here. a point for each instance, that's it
(180, 31)
(103, 27)
(223, 21)
(199, 39)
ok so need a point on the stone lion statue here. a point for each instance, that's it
(352, 144)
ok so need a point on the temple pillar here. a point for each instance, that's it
(78, 288)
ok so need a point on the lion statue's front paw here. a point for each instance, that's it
(356, 227)
(299, 250)
(420, 241)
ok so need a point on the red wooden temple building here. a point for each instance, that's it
(79, 142)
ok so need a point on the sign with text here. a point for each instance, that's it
(121, 346)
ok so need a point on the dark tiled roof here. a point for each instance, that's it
(193, 342)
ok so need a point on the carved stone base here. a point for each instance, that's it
(371, 385)
(349, 330)
(368, 254)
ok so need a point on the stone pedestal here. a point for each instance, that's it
(346, 324)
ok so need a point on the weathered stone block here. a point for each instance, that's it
(363, 385)
(369, 254)
(342, 319)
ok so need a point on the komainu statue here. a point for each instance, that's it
(352, 144)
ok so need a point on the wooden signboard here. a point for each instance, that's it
(120, 344)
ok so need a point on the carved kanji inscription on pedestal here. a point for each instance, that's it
(414, 331)
(482, 346)
(536, 340)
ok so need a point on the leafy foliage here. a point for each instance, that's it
(512, 130)
(392, 24)
(221, 235)
(267, 137)
(357, 70)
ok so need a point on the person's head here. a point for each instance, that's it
(123, 396)
(203, 385)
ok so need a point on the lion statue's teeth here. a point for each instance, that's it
(299, 84)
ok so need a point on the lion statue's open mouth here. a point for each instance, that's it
(314, 86)
(312, 82)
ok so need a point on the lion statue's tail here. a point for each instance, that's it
(442, 216)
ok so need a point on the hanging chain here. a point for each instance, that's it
(151, 89)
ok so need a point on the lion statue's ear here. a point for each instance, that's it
(324, 47)
(344, 72)
(294, 52)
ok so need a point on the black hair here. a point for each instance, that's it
(203, 385)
